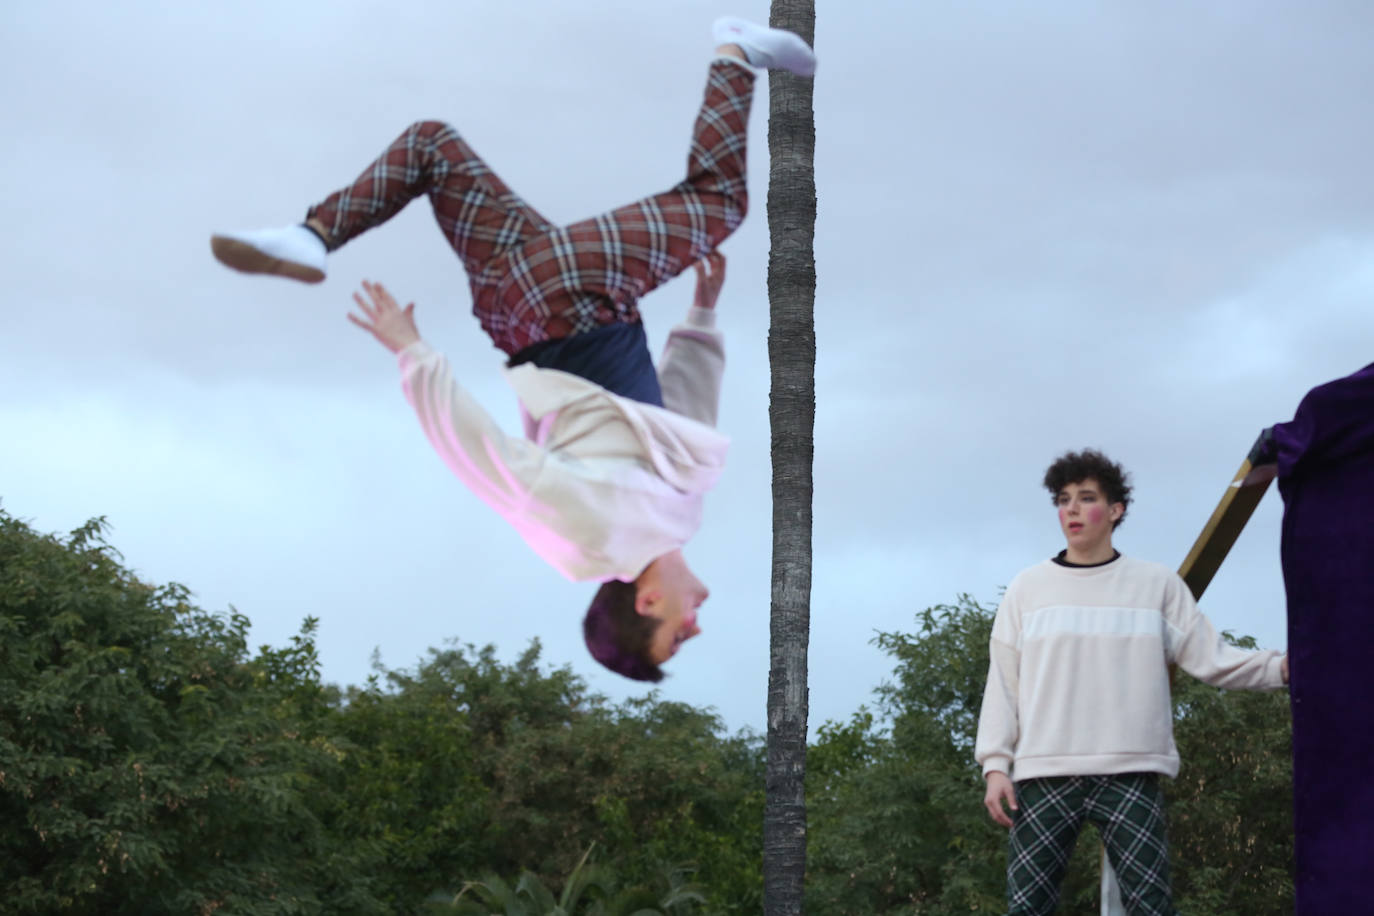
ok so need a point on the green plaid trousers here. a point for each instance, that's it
(1128, 811)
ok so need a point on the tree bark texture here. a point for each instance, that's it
(791, 412)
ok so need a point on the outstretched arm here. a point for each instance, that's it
(1198, 649)
(693, 361)
(393, 326)
(497, 467)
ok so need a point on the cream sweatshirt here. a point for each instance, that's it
(1078, 682)
(601, 485)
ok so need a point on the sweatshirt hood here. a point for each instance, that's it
(688, 455)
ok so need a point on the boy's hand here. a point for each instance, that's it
(999, 788)
(384, 320)
(710, 278)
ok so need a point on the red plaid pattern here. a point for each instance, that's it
(532, 281)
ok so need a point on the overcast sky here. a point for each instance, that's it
(1143, 227)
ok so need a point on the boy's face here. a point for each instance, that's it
(673, 594)
(679, 625)
(1085, 516)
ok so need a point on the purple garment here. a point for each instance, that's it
(1326, 476)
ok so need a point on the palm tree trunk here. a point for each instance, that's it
(791, 412)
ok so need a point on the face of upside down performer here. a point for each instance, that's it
(607, 482)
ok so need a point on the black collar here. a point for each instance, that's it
(1060, 559)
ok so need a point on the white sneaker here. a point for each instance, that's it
(291, 251)
(774, 49)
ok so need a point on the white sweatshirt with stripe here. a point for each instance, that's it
(1078, 682)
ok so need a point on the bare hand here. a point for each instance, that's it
(999, 789)
(710, 278)
(1283, 667)
(384, 320)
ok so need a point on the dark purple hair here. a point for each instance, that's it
(617, 635)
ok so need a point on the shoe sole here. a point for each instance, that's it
(246, 259)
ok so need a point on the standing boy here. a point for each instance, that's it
(1077, 700)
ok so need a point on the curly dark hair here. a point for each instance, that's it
(617, 635)
(1090, 464)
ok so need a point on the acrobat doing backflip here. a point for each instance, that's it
(607, 484)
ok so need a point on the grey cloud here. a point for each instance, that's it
(1041, 227)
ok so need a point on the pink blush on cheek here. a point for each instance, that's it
(1096, 514)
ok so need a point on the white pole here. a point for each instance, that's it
(1111, 891)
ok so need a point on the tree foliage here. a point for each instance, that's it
(468, 766)
(899, 826)
(903, 829)
(147, 763)
(1231, 807)
(589, 891)
(151, 763)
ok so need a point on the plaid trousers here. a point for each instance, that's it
(1128, 810)
(532, 281)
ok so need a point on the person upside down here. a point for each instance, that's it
(607, 483)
